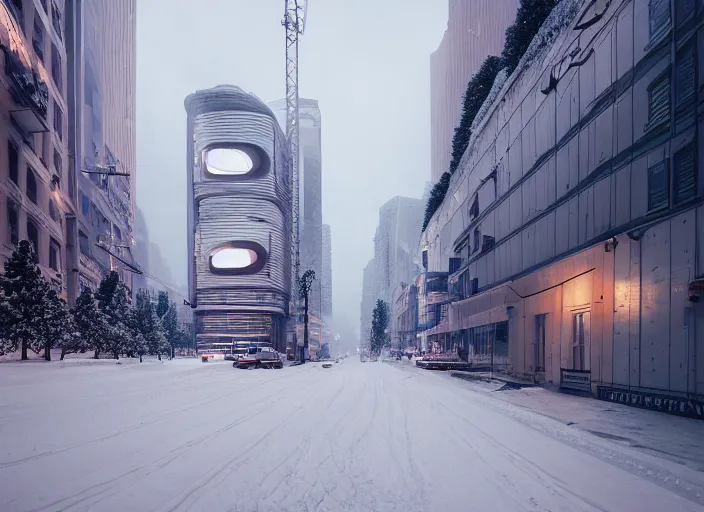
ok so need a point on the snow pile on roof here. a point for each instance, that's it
(499, 82)
(560, 17)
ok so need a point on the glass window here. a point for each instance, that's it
(540, 321)
(83, 243)
(56, 19)
(13, 222)
(85, 204)
(33, 237)
(31, 185)
(57, 162)
(658, 186)
(230, 161)
(579, 355)
(56, 67)
(54, 255)
(58, 121)
(38, 38)
(13, 162)
(54, 211)
(685, 175)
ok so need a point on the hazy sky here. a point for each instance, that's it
(365, 61)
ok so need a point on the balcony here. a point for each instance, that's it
(29, 91)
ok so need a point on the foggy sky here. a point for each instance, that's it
(366, 61)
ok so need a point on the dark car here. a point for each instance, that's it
(261, 358)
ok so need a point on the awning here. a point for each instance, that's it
(442, 328)
(490, 316)
(29, 120)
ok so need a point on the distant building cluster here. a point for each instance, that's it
(68, 137)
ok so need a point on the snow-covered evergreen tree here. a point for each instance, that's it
(112, 302)
(91, 325)
(56, 326)
(150, 325)
(162, 305)
(170, 324)
(530, 17)
(136, 344)
(25, 291)
(380, 322)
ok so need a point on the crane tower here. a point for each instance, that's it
(294, 22)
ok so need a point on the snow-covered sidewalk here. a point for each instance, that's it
(663, 435)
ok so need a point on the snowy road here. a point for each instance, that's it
(362, 437)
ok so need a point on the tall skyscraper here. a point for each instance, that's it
(326, 278)
(310, 203)
(239, 221)
(101, 54)
(475, 30)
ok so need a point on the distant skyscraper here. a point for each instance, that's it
(475, 30)
(326, 278)
(370, 294)
(310, 192)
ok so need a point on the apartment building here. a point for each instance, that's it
(36, 193)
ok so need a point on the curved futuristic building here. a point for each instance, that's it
(239, 221)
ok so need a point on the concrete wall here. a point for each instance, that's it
(569, 169)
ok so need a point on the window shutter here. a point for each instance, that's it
(685, 84)
(657, 186)
(685, 174)
(659, 103)
(659, 18)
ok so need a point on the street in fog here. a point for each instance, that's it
(184, 435)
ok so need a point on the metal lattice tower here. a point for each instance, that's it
(294, 22)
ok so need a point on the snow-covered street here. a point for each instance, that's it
(183, 435)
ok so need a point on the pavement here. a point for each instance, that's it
(183, 435)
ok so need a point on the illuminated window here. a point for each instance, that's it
(238, 258)
(232, 161)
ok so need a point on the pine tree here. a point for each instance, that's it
(478, 89)
(91, 325)
(380, 323)
(530, 17)
(112, 302)
(137, 345)
(56, 327)
(162, 305)
(149, 325)
(170, 325)
(24, 290)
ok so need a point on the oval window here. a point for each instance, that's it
(228, 162)
(233, 258)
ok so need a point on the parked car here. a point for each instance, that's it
(260, 357)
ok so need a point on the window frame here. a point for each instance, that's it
(691, 149)
(13, 210)
(13, 170)
(665, 78)
(666, 202)
(32, 195)
(55, 254)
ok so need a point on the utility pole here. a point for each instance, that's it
(294, 22)
(304, 286)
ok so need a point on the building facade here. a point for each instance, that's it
(310, 200)
(35, 186)
(404, 316)
(103, 138)
(370, 294)
(239, 221)
(576, 213)
(326, 277)
(475, 30)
